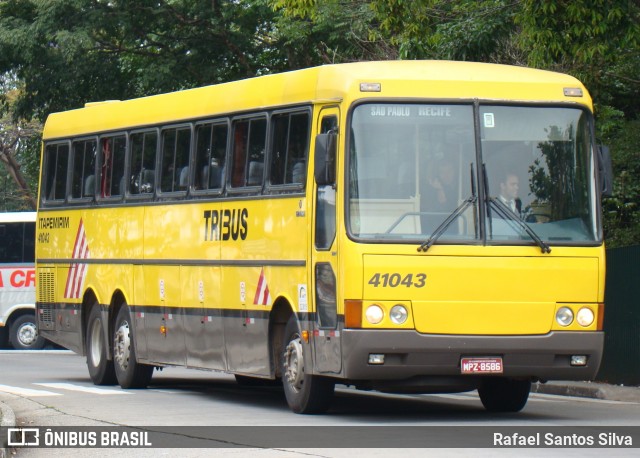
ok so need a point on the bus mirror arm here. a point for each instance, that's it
(325, 159)
(605, 170)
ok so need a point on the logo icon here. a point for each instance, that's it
(23, 437)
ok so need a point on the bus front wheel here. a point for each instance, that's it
(129, 372)
(305, 393)
(503, 394)
(100, 368)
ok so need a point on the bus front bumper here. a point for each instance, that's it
(410, 354)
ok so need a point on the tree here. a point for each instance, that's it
(328, 32)
(17, 142)
(68, 52)
(391, 29)
(65, 53)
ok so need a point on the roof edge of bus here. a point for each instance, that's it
(101, 102)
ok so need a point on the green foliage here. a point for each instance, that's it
(59, 54)
(595, 40)
(330, 31)
(441, 29)
(69, 52)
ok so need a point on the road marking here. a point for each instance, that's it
(83, 389)
(26, 391)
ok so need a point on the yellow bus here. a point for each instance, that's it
(402, 226)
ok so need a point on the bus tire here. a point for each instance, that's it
(502, 394)
(305, 393)
(23, 334)
(4, 337)
(129, 372)
(100, 368)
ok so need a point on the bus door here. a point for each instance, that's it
(326, 328)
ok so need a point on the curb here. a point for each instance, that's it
(7, 420)
(589, 390)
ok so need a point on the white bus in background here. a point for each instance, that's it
(18, 282)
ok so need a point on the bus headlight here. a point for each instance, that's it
(585, 317)
(398, 314)
(564, 316)
(374, 314)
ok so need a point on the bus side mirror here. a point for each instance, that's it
(606, 171)
(325, 159)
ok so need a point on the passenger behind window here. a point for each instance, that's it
(215, 176)
(256, 170)
(299, 172)
(183, 180)
(147, 181)
(89, 186)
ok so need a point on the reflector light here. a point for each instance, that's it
(370, 87)
(572, 92)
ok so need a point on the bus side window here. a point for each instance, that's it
(211, 147)
(248, 152)
(326, 200)
(112, 181)
(257, 142)
(142, 162)
(289, 151)
(83, 170)
(55, 172)
(29, 243)
(11, 234)
(176, 144)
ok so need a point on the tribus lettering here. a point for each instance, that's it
(225, 224)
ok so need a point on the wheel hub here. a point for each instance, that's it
(96, 343)
(122, 345)
(27, 334)
(294, 364)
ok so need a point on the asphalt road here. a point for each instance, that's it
(190, 408)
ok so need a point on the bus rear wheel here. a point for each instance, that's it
(100, 368)
(503, 394)
(129, 372)
(305, 393)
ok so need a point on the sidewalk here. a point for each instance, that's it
(7, 420)
(593, 390)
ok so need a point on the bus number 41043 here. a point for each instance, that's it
(395, 280)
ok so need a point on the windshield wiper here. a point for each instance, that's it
(471, 200)
(504, 211)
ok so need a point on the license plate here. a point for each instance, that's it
(481, 365)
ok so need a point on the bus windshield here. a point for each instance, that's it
(412, 166)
